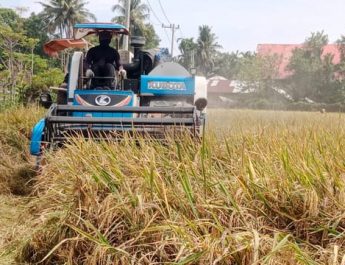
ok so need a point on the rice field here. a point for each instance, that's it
(262, 187)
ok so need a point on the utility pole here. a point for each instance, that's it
(173, 27)
(192, 59)
(127, 24)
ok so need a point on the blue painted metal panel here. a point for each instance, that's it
(99, 26)
(164, 85)
(128, 96)
(36, 138)
(98, 92)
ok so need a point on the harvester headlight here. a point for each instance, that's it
(167, 85)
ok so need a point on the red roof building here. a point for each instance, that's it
(219, 85)
(284, 51)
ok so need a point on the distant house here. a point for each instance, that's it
(284, 51)
(219, 85)
(220, 89)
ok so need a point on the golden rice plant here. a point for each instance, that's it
(16, 165)
(260, 188)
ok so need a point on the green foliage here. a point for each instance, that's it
(201, 53)
(139, 14)
(258, 73)
(226, 64)
(61, 15)
(314, 74)
(256, 68)
(152, 39)
(50, 77)
(341, 47)
(188, 50)
(43, 78)
(207, 48)
(315, 42)
(10, 18)
(35, 27)
(41, 82)
(23, 73)
(16, 63)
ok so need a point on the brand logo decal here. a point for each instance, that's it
(103, 100)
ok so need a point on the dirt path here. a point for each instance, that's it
(14, 221)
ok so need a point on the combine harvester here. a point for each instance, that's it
(155, 98)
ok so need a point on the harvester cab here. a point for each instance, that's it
(153, 99)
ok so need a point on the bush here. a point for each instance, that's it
(40, 83)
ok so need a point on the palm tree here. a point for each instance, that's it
(61, 15)
(207, 48)
(138, 14)
(187, 49)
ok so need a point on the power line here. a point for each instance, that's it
(157, 24)
(157, 18)
(164, 11)
(166, 34)
(154, 24)
(153, 12)
(173, 27)
(181, 33)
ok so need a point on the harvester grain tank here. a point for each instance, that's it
(154, 99)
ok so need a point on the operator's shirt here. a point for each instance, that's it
(103, 55)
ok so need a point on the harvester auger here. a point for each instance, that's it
(156, 98)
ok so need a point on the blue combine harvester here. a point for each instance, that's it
(154, 99)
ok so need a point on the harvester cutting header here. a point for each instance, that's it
(103, 96)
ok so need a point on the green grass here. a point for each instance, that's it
(261, 188)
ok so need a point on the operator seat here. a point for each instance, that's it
(104, 76)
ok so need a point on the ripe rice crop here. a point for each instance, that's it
(16, 164)
(264, 187)
(261, 188)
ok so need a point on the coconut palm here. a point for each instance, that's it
(207, 48)
(187, 49)
(61, 15)
(138, 14)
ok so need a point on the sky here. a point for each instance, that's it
(239, 24)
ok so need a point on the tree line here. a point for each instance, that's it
(314, 75)
(25, 70)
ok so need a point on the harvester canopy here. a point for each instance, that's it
(85, 29)
(53, 47)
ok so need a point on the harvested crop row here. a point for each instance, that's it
(16, 164)
(268, 189)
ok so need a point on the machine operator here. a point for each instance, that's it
(102, 61)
